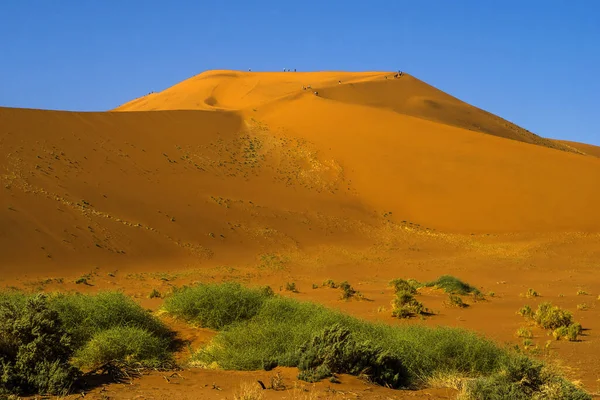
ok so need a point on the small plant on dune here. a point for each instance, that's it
(249, 391)
(583, 307)
(348, 291)
(291, 287)
(401, 285)
(405, 305)
(554, 318)
(524, 333)
(570, 332)
(330, 283)
(531, 293)
(582, 293)
(525, 311)
(154, 294)
(452, 285)
(336, 351)
(456, 301)
(528, 343)
(277, 382)
(315, 286)
(491, 294)
(478, 297)
(83, 280)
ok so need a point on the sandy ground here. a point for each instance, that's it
(248, 176)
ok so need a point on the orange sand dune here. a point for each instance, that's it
(256, 163)
(407, 95)
(582, 147)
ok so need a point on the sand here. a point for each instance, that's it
(249, 176)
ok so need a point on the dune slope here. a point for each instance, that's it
(256, 164)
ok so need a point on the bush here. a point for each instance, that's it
(330, 283)
(550, 317)
(34, 348)
(347, 290)
(570, 332)
(522, 378)
(531, 293)
(124, 345)
(83, 316)
(291, 287)
(456, 301)
(524, 333)
(452, 285)
(335, 350)
(216, 305)
(526, 312)
(282, 326)
(154, 294)
(401, 285)
(405, 305)
(282, 333)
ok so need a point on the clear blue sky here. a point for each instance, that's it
(533, 62)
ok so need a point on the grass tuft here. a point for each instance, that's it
(216, 305)
(452, 285)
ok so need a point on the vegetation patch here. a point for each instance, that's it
(45, 339)
(405, 305)
(322, 342)
(402, 285)
(216, 305)
(554, 318)
(452, 285)
(456, 301)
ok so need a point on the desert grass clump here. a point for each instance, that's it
(249, 391)
(526, 312)
(402, 285)
(456, 301)
(570, 332)
(125, 345)
(291, 287)
(286, 332)
(34, 348)
(155, 294)
(330, 284)
(347, 291)
(216, 305)
(583, 307)
(531, 293)
(523, 332)
(582, 293)
(83, 316)
(405, 305)
(452, 285)
(522, 378)
(554, 318)
(336, 350)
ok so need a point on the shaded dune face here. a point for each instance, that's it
(227, 164)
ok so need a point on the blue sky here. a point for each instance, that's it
(532, 62)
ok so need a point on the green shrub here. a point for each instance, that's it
(401, 285)
(154, 294)
(336, 351)
(34, 348)
(405, 305)
(570, 332)
(347, 291)
(456, 301)
(291, 287)
(452, 285)
(330, 283)
(531, 293)
(83, 316)
(526, 312)
(282, 326)
(522, 378)
(216, 305)
(124, 345)
(551, 317)
(524, 333)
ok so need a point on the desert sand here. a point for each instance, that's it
(280, 177)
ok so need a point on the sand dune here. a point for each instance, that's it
(250, 161)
